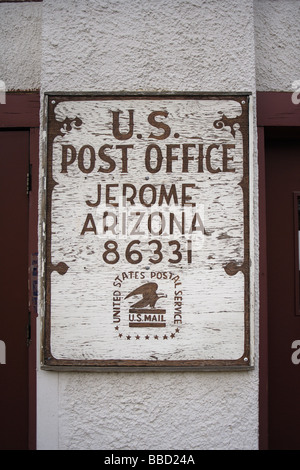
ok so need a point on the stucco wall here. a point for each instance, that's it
(277, 44)
(20, 45)
(148, 45)
(155, 45)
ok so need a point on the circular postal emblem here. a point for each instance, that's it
(147, 305)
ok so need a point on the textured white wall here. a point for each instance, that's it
(153, 37)
(277, 44)
(148, 45)
(20, 45)
(158, 411)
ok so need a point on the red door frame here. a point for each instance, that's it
(274, 109)
(21, 111)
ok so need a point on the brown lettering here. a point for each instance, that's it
(94, 204)
(208, 157)
(200, 159)
(65, 162)
(226, 158)
(114, 222)
(124, 194)
(92, 157)
(141, 195)
(162, 222)
(107, 159)
(109, 199)
(167, 197)
(116, 125)
(89, 220)
(186, 157)
(170, 156)
(159, 125)
(185, 198)
(124, 149)
(159, 158)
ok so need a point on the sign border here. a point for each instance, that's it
(51, 363)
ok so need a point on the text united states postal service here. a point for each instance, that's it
(147, 238)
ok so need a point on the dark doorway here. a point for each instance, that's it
(14, 210)
(282, 167)
(19, 157)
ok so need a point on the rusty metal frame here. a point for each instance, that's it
(246, 361)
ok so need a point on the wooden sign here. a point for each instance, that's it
(147, 237)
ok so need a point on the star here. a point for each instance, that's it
(128, 337)
(116, 327)
(137, 337)
(165, 337)
(177, 330)
(147, 337)
(120, 335)
(155, 337)
(172, 335)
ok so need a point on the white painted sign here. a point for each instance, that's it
(147, 231)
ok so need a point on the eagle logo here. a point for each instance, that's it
(149, 295)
